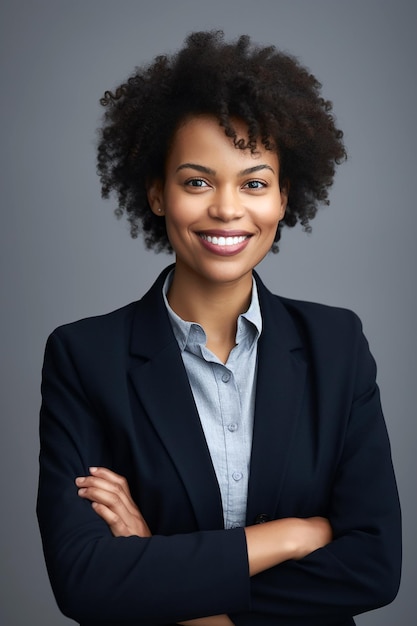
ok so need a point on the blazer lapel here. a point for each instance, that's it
(161, 382)
(279, 392)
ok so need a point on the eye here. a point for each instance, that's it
(254, 184)
(195, 182)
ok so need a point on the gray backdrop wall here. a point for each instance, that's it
(64, 256)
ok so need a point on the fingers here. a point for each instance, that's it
(115, 523)
(106, 487)
(110, 496)
(105, 478)
(107, 474)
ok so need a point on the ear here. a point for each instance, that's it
(155, 197)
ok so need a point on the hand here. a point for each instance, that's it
(111, 500)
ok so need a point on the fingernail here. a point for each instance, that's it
(79, 480)
(93, 469)
(81, 491)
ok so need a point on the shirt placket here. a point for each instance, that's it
(231, 423)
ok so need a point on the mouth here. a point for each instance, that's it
(224, 243)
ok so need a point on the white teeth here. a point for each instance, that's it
(224, 241)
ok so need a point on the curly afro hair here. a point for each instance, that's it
(277, 98)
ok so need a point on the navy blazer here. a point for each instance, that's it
(116, 394)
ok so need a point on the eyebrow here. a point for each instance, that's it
(207, 170)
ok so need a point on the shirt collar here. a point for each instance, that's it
(249, 324)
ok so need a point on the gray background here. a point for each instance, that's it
(64, 256)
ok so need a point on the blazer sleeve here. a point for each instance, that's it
(360, 569)
(94, 575)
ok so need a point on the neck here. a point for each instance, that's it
(214, 305)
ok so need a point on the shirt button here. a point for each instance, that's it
(232, 427)
(226, 377)
(237, 476)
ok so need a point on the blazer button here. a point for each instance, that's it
(261, 518)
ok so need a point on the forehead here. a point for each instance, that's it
(201, 139)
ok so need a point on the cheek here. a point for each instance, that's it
(178, 223)
(181, 211)
(270, 217)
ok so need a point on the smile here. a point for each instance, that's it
(224, 241)
(224, 245)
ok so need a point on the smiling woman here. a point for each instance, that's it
(214, 454)
(220, 226)
(222, 207)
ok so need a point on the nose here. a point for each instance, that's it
(226, 205)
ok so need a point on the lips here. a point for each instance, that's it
(224, 243)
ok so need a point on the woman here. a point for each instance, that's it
(229, 454)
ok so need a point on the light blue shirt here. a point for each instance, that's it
(225, 398)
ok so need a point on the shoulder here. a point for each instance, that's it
(118, 323)
(92, 342)
(306, 317)
(320, 316)
(328, 336)
(331, 341)
(98, 325)
(93, 352)
(330, 332)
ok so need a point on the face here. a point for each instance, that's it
(222, 205)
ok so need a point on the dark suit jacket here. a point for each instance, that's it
(116, 394)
